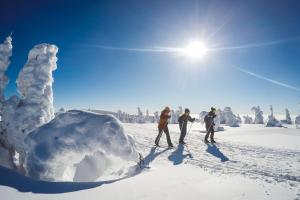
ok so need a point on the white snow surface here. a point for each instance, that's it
(75, 141)
(249, 162)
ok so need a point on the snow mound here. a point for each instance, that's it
(74, 143)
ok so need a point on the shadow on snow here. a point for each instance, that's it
(22, 183)
(178, 156)
(215, 151)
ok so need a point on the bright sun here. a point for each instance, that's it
(195, 50)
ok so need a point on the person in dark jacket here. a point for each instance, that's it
(209, 124)
(163, 127)
(183, 120)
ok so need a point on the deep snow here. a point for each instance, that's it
(249, 162)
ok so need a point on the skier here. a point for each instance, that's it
(163, 127)
(209, 124)
(183, 120)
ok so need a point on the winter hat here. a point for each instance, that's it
(186, 110)
(167, 109)
(212, 109)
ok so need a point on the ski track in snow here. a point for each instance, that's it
(273, 165)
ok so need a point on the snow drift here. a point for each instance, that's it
(75, 142)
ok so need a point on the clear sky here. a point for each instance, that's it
(108, 56)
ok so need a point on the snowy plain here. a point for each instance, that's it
(248, 162)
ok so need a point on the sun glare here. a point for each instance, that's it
(195, 50)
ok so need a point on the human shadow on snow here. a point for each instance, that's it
(215, 151)
(178, 155)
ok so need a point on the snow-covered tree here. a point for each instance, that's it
(6, 153)
(35, 106)
(248, 119)
(288, 118)
(297, 121)
(272, 121)
(156, 116)
(230, 118)
(221, 116)
(259, 118)
(239, 119)
(140, 117)
(175, 115)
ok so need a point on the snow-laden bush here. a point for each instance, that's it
(175, 115)
(272, 121)
(248, 119)
(60, 149)
(35, 107)
(217, 126)
(259, 118)
(5, 54)
(297, 121)
(288, 119)
(238, 117)
(230, 118)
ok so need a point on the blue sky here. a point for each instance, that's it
(90, 76)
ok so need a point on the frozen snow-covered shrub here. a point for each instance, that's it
(222, 116)
(297, 121)
(5, 54)
(248, 119)
(288, 119)
(202, 116)
(230, 118)
(66, 144)
(272, 121)
(140, 117)
(239, 119)
(175, 115)
(259, 118)
(217, 126)
(35, 107)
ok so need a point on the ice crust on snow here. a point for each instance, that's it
(35, 107)
(73, 141)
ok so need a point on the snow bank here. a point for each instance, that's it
(73, 141)
(259, 118)
(272, 121)
(35, 107)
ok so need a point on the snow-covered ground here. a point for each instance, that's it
(248, 162)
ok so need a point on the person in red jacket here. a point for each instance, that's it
(163, 127)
